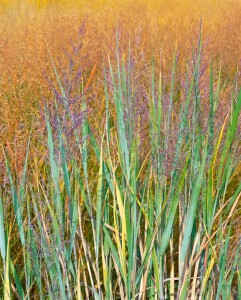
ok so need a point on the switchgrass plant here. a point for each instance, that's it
(140, 209)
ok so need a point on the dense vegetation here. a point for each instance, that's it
(122, 180)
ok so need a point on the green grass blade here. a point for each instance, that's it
(16, 203)
(193, 208)
(2, 233)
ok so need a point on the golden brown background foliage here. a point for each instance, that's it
(28, 27)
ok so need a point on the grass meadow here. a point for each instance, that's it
(120, 149)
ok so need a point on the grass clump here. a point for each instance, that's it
(137, 207)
